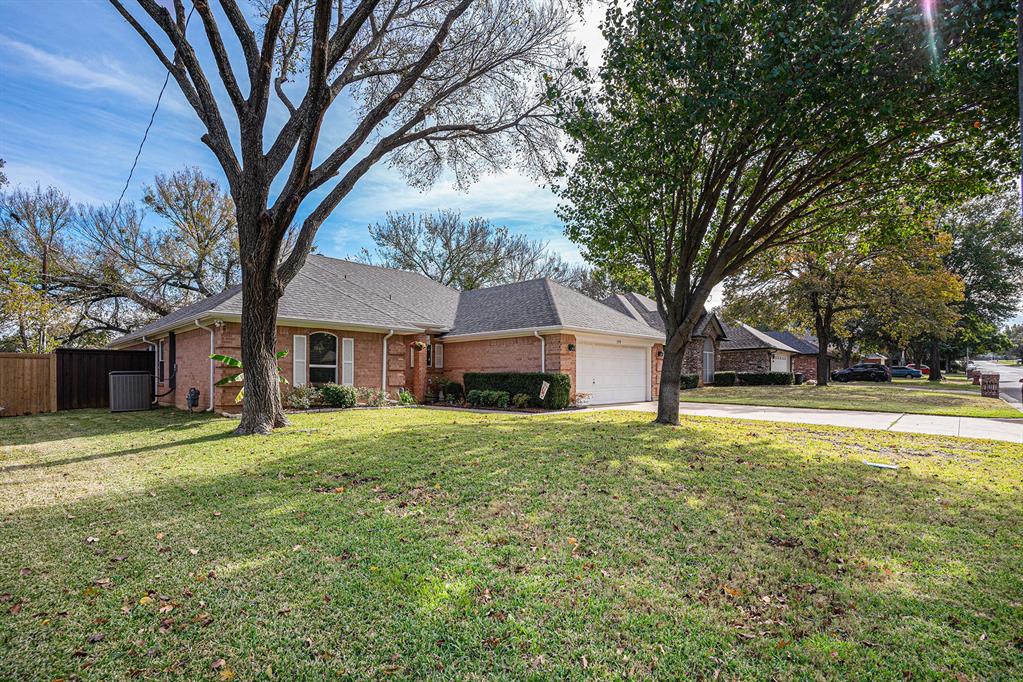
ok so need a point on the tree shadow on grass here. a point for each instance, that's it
(68, 424)
(482, 546)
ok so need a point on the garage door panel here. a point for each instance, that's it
(611, 374)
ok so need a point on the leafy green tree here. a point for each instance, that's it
(987, 254)
(720, 130)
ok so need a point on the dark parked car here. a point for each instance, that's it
(863, 372)
(906, 373)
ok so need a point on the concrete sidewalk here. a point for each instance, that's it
(1010, 430)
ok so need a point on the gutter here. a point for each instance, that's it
(156, 363)
(210, 330)
(543, 351)
(383, 364)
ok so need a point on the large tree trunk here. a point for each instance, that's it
(935, 361)
(823, 361)
(262, 409)
(667, 399)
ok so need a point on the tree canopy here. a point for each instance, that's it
(716, 131)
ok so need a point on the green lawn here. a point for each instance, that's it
(859, 396)
(433, 544)
(953, 383)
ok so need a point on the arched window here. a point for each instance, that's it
(322, 358)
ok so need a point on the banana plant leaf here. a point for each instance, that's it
(240, 376)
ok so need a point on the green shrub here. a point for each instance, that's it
(337, 395)
(527, 383)
(303, 397)
(405, 398)
(481, 398)
(688, 381)
(446, 390)
(765, 378)
(373, 397)
(725, 378)
(520, 400)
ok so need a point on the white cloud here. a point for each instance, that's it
(105, 75)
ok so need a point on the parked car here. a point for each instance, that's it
(923, 368)
(906, 373)
(862, 372)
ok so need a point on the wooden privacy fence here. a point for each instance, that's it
(28, 383)
(69, 379)
(83, 374)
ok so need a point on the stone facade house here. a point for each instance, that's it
(380, 328)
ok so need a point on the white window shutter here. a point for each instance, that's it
(348, 362)
(438, 356)
(299, 359)
(411, 357)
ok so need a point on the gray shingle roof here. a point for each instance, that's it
(741, 336)
(334, 291)
(330, 290)
(540, 303)
(644, 308)
(805, 344)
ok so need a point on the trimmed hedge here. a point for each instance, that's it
(478, 398)
(765, 379)
(725, 378)
(527, 383)
(688, 381)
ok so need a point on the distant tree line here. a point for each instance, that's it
(79, 274)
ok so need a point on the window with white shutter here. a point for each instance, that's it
(438, 356)
(298, 359)
(348, 362)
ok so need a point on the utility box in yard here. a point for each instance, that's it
(131, 391)
(989, 385)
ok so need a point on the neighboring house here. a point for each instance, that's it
(875, 359)
(750, 350)
(358, 324)
(701, 355)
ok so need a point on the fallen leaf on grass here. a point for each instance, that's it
(91, 540)
(219, 664)
(25, 571)
(161, 536)
(193, 552)
(145, 600)
(96, 638)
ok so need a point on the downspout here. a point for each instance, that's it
(543, 351)
(212, 348)
(156, 362)
(383, 364)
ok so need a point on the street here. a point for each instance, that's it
(1009, 380)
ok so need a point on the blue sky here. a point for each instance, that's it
(77, 87)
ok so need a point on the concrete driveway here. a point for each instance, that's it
(1010, 430)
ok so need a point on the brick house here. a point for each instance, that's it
(750, 350)
(376, 327)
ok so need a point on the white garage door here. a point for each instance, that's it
(611, 374)
(780, 362)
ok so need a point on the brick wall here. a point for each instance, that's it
(517, 354)
(193, 360)
(692, 357)
(745, 361)
(807, 364)
(559, 359)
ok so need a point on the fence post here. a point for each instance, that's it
(53, 382)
